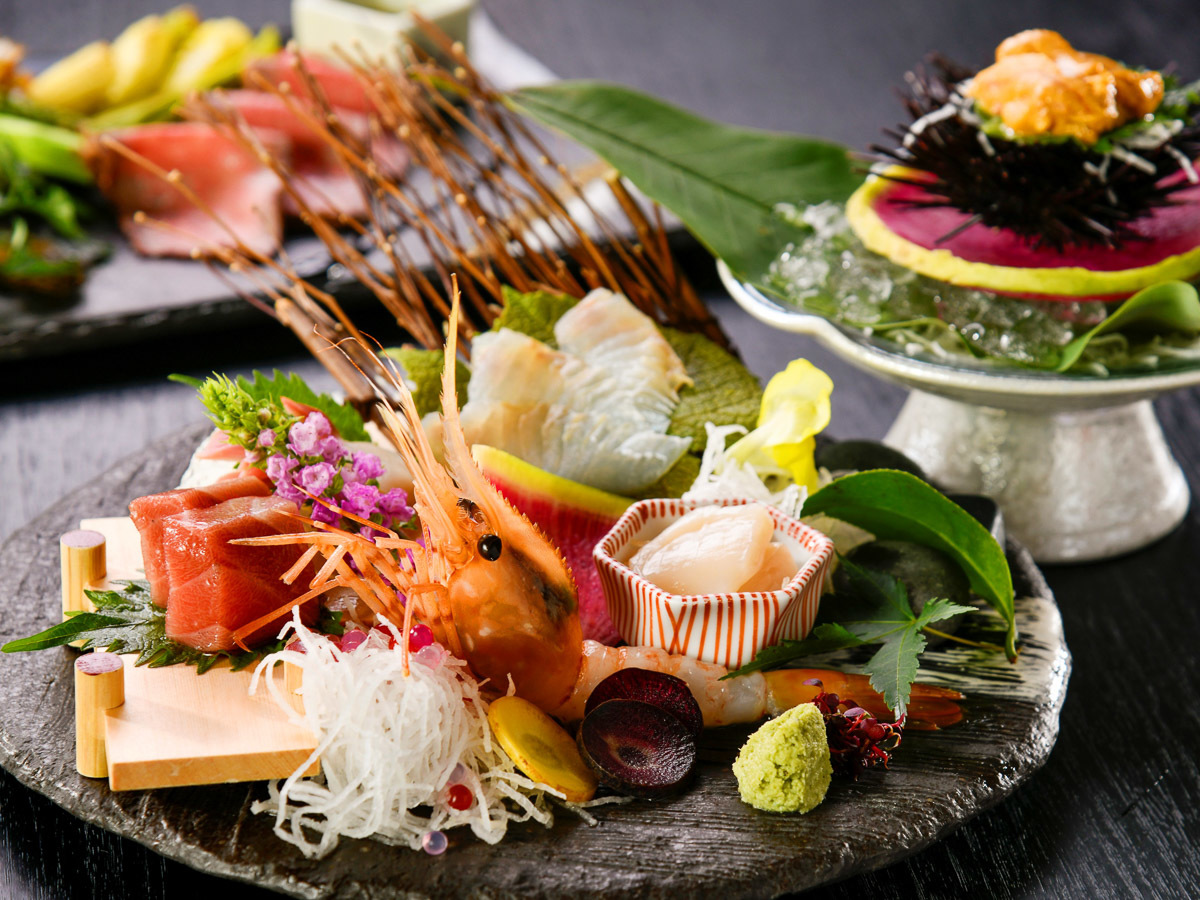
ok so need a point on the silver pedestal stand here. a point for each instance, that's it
(1078, 465)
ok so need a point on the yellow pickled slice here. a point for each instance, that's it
(77, 82)
(541, 748)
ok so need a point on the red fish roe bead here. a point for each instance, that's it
(459, 796)
(352, 640)
(420, 635)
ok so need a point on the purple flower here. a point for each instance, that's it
(318, 421)
(279, 468)
(289, 491)
(251, 456)
(360, 499)
(317, 478)
(324, 514)
(395, 504)
(366, 466)
(266, 438)
(303, 439)
(331, 449)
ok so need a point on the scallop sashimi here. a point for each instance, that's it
(149, 512)
(712, 550)
(216, 587)
(595, 411)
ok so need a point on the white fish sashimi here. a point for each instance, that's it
(609, 332)
(595, 411)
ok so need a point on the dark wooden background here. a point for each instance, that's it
(1114, 812)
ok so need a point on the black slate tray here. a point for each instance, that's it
(704, 843)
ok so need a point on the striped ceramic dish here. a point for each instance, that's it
(720, 628)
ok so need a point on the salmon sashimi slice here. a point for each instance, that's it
(215, 586)
(149, 512)
(226, 177)
(323, 182)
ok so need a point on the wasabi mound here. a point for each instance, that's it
(785, 766)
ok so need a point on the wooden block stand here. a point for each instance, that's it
(167, 727)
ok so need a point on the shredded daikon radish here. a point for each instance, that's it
(388, 743)
(722, 478)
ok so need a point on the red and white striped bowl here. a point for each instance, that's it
(727, 629)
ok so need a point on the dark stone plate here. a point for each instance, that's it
(704, 843)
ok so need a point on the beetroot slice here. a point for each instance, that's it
(636, 748)
(656, 688)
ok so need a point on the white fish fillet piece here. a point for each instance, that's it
(595, 411)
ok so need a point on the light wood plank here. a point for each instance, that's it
(179, 728)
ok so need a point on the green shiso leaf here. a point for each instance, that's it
(723, 391)
(675, 481)
(722, 181)
(896, 505)
(533, 313)
(126, 621)
(424, 371)
(344, 418)
(1165, 307)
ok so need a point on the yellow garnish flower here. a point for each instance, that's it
(795, 408)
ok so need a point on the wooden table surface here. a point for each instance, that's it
(1113, 813)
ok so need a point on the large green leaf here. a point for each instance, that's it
(723, 182)
(1167, 306)
(899, 506)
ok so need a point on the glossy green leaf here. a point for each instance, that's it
(1167, 306)
(898, 506)
(722, 181)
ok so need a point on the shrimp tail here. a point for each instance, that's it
(930, 707)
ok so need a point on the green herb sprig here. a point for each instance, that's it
(879, 613)
(127, 621)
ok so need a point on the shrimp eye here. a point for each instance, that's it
(490, 547)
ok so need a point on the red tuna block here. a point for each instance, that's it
(217, 587)
(148, 512)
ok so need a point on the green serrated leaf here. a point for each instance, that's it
(893, 668)
(127, 621)
(423, 368)
(896, 505)
(723, 391)
(724, 182)
(677, 479)
(534, 313)
(344, 418)
(824, 639)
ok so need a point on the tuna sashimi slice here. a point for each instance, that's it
(148, 514)
(323, 183)
(227, 178)
(215, 586)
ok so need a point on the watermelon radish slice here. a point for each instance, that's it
(882, 214)
(573, 515)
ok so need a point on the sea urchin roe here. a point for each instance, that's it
(785, 766)
(1041, 86)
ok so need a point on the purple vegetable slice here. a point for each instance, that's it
(656, 688)
(636, 748)
(890, 218)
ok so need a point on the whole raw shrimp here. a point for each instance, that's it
(505, 598)
(493, 589)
